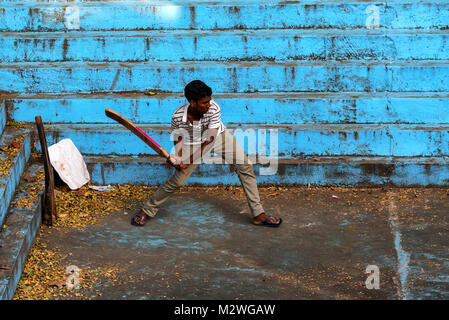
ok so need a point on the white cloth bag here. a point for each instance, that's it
(69, 163)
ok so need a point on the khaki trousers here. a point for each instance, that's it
(226, 147)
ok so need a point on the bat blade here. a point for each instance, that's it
(138, 132)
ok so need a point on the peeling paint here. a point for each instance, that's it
(255, 15)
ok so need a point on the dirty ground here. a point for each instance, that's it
(201, 245)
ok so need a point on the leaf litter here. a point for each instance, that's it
(10, 151)
(44, 274)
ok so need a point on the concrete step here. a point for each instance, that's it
(145, 15)
(344, 171)
(19, 230)
(251, 45)
(2, 115)
(262, 108)
(304, 140)
(317, 76)
(12, 163)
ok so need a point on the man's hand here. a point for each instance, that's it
(181, 166)
(177, 163)
(174, 160)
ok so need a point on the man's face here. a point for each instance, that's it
(201, 106)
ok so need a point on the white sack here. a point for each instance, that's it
(69, 163)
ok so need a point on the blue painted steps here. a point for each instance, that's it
(346, 171)
(294, 76)
(147, 15)
(293, 141)
(12, 166)
(247, 45)
(19, 231)
(400, 155)
(258, 108)
(312, 70)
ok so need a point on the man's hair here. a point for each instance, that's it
(197, 90)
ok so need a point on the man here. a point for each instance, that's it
(198, 130)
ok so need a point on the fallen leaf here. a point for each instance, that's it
(4, 267)
(30, 179)
(58, 284)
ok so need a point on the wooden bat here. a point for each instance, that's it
(139, 132)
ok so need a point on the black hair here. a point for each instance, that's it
(196, 90)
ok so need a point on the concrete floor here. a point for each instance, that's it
(201, 245)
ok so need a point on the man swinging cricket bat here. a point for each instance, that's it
(202, 114)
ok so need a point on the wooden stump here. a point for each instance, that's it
(49, 207)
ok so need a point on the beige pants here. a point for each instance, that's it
(227, 147)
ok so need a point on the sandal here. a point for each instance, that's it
(139, 219)
(269, 222)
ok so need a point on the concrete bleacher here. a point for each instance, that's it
(352, 103)
(343, 95)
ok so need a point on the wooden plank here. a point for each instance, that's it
(49, 214)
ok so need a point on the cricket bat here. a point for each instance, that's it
(140, 133)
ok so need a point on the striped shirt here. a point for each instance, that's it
(196, 133)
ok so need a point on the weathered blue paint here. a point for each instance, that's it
(17, 237)
(253, 45)
(403, 260)
(161, 45)
(130, 15)
(293, 140)
(171, 76)
(403, 257)
(264, 108)
(430, 76)
(325, 171)
(330, 85)
(2, 115)
(9, 182)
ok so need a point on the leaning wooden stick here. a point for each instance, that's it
(139, 132)
(49, 207)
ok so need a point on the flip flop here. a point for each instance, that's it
(142, 218)
(267, 223)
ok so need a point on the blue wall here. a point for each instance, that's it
(353, 104)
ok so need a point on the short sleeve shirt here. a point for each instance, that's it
(196, 133)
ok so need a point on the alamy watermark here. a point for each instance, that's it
(228, 147)
(373, 20)
(164, 11)
(73, 280)
(373, 279)
(170, 12)
(72, 17)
